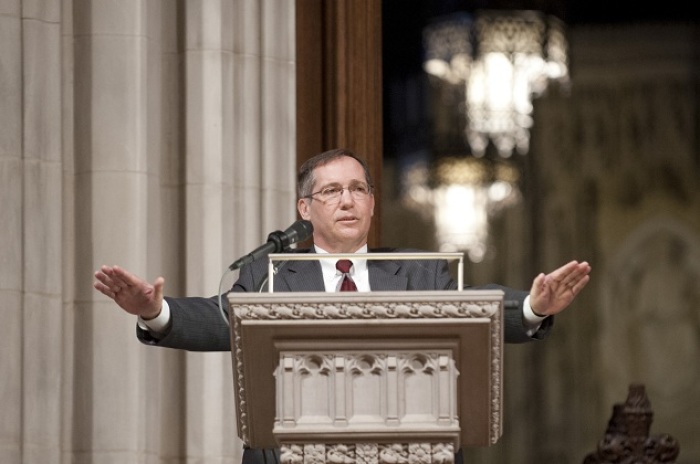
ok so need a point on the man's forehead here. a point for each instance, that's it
(339, 171)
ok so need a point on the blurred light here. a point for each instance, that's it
(461, 194)
(504, 59)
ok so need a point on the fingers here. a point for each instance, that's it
(572, 276)
(104, 282)
(552, 293)
(131, 293)
(578, 278)
(539, 281)
(158, 288)
(564, 272)
(120, 278)
(113, 280)
(580, 283)
(102, 288)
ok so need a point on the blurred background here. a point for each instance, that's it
(164, 136)
(595, 161)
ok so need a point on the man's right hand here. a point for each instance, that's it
(132, 294)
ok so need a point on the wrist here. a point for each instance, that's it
(537, 313)
(150, 317)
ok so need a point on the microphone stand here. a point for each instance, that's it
(275, 268)
(225, 314)
(277, 242)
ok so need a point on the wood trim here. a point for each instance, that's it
(310, 78)
(339, 83)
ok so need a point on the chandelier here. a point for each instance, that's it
(499, 61)
(462, 192)
(504, 59)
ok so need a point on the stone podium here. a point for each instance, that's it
(376, 377)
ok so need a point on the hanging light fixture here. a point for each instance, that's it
(505, 59)
(462, 192)
(502, 59)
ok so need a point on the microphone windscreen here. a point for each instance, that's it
(299, 231)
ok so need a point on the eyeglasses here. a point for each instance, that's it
(332, 193)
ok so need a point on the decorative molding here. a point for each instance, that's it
(400, 310)
(368, 453)
(366, 391)
(338, 342)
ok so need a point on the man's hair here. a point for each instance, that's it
(305, 178)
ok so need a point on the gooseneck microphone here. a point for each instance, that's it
(277, 242)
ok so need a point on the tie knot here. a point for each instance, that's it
(343, 265)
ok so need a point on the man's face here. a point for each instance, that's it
(340, 225)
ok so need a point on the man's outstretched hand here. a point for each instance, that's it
(552, 293)
(132, 294)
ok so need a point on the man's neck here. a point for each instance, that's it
(362, 249)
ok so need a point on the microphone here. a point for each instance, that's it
(277, 241)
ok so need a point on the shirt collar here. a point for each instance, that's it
(328, 265)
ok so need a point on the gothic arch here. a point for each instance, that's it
(650, 321)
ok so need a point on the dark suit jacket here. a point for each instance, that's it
(197, 323)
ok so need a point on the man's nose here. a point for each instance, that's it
(346, 196)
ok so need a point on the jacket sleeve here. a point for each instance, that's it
(197, 324)
(515, 330)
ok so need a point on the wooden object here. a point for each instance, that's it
(627, 439)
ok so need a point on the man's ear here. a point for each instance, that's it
(303, 208)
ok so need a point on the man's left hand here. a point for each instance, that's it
(552, 293)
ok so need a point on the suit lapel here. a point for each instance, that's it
(383, 276)
(300, 276)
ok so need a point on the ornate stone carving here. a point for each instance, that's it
(397, 310)
(368, 453)
(382, 367)
(627, 439)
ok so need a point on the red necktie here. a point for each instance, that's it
(344, 266)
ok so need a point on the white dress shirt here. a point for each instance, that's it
(333, 278)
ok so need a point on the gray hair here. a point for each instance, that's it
(305, 178)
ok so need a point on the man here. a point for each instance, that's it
(335, 195)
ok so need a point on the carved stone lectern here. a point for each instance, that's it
(376, 377)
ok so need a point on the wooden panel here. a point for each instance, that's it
(309, 50)
(339, 83)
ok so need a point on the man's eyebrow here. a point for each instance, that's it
(338, 184)
(330, 184)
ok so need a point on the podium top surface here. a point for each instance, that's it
(416, 296)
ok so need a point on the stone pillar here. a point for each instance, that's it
(117, 171)
(208, 213)
(30, 188)
(152, 134)
(11, 164)
(264, 120)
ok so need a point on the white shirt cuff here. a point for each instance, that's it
(158, 324)
(532, 321)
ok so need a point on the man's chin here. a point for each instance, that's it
(352, 237)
